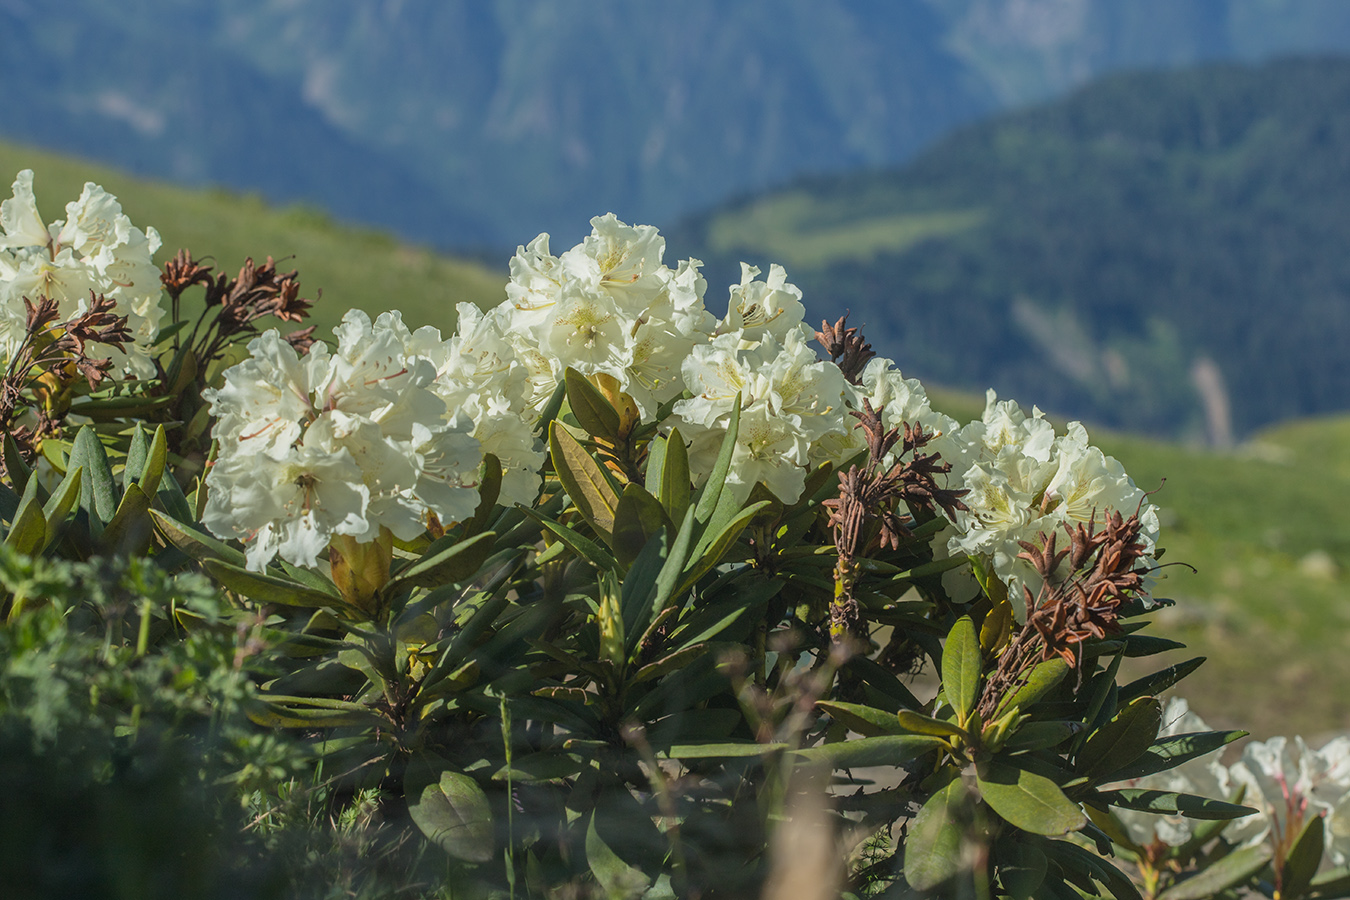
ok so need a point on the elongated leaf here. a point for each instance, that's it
(883, 750)
(593, 411)
(1022, 867)
(1040, 736)
(61, 503)
(933, 847)
(121, 530)
(109, 408)
(711, 493)
(1171, 803)
(195, 543)
(1171, 752)
(1149, 645)
(996, 628)
(675, 489)
(1304, 858)
(1233, 870)
(635, 596)
(916, 723)
(489, 490)
(1156, 683)
(137, 453)
(9, 503)
(710, 552)
(1122, 740)
(639, 516)
(449, 566)
(1042, 679)
(889, 690)
(262, 588)
(726, 750)
(1027, 800)
(15, 465)
(579, 544)
(451, 810)
(28, 531)
(677, 660)
(656, 465)
(865, 720)
(961, 668)
(98, 488)
(583, 479)
(671, 575)
(616, 877)
(1073, 858)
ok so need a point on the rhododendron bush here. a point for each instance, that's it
(585, 595)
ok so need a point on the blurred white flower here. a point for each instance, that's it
(96, 249)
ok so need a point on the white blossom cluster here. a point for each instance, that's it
(1287, 782)
(96, 248)
(344, 443)
(1024, 479)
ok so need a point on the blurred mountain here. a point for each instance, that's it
(1162, 252)
(472, 122)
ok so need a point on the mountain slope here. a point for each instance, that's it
(1155, 252)
(478, 122)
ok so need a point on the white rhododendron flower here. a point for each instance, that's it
(345, 443)
(1023, 480)
(758, 308)
(609, 305)
(789, 400)
(1203, 776)
(96, 249)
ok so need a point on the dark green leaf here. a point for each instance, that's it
(677, 660)
(98, 490)
(1040, 736)
(1021, 868)
(15, 465)
(1122, 740)
(61, 503)
(1233, 870)
(883, 750)
(917, 723)
(9, 503)
(1042, 679)
(1029, 801)
(675, 487)
(933, 848)
(195, 543)
(962, 666)
(616, 877)
(594, 413)
(28, 531)
(1170, 752)
(489, 489)
(543, 766)
(449, 566)
(586, 483)
(137, 452)
(262, 588)
(129, 524)
(1075, 859)
(638, 517)
(1155, 684)
(865, 720)
(1149, 645)
(1304, 859)
(579, 544)
(711, 493)
(451, 810)
(635, 603)
(1332, 883)
(714, 545)
(1170, 803)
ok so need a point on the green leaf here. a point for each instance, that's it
(448, 566)
(917, 723)
(1304, 858)
(639, 516)
(710, 551)
(669, 663)
(489, 490)
(619, 880)
(98, 491)
(711, 493)
(593, 411)
(1074, 859)
(1029, 801)
(1170, 752)
(579, 544)
(1156, 683)
(1169, 803)
(262, 588)
(1042, 679)
(1233, 870)
(130, 516)
(9, 503)
(727, 750)
(1332, 883)
(61, 503)
(635, 596)
(28, 531)
(585, 482)
(865, 720)
(1122, 740)
(933, 847)
(1148, 645)
(15, 465)
(962, 665)
(195, 543)
(109, 408)
(675, 489)
(883, 750)
(1021, 868)
(137, 452)
(1040, 736)
(451, 810)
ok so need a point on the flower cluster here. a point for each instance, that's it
(1287, 782)
(341, 443)
(1025, 480)
(95, 251)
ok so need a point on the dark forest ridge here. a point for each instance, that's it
(1160, 252)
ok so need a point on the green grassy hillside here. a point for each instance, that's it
(353, 267)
